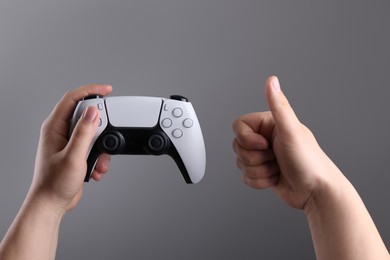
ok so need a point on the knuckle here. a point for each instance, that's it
(79, 133)
(45, 125)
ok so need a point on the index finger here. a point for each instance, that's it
(65, 107)
(254, 131)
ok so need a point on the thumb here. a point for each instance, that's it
(283, 114)
(83, 134)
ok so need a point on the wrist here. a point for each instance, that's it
(45, 204)
(340, 225)
(331, 186)
(34, 231)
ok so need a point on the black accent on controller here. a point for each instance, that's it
(179, 162)
(134, 141)
(179, 98)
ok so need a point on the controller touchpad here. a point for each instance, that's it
(133, 111)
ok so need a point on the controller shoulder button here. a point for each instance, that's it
(92, 97)
(179, 98)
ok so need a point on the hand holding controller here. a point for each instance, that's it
(147, 125)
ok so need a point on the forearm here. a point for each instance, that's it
(33, 234)
(341, 226)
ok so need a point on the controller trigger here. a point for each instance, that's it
(92, 97)
(179, 98)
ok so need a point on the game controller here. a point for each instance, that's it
(146, 126)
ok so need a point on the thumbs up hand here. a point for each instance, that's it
(275, 150)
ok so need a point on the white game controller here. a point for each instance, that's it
(147, 125)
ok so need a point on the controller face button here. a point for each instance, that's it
(177, 133)
(100, 106)
(187, 123)
(167, 123)
(111, 142)
(156, 143)
(100, 122)
(177, 112)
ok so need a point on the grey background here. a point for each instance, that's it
(332, 58)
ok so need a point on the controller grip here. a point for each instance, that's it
(91, 162)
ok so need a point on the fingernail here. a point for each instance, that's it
(107, 86)
(276, 85)
(90, 114)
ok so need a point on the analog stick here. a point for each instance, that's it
(156, 143)
(111, 143)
